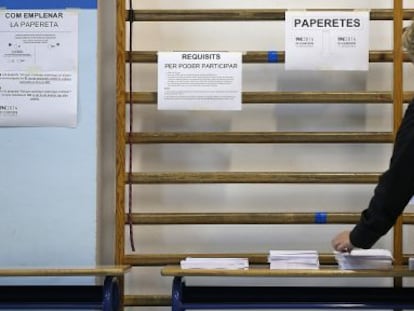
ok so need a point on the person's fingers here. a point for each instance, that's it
(340, 247)
(344, 247)
(336, 242)
(341, 244)
(336, 245)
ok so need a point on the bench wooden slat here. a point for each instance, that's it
(65, 271)
(264, 271)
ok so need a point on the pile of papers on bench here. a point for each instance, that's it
(293, 259)
(365, 259)
(214, 263)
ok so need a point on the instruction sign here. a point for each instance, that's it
(327, 40)
(199, 80)
(38, 67)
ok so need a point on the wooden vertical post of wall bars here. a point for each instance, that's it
(120, 139)
(397, 113)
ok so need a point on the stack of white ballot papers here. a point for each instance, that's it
(293, 259)
(214, 263)
(379, 259)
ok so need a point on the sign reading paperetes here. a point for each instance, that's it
(38, 67)
(327, 40)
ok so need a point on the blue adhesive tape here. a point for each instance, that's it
(321, 218)
(272, 57)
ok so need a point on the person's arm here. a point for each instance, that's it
(395, 187)
(391, 195)
(393, 191)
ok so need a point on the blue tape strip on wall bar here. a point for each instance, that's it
(321, 218)
(47, 4)
(272, 57)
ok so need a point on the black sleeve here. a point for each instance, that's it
(393, 191)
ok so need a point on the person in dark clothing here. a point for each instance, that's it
(395, 186)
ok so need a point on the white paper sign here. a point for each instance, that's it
(327, 40)
(38, 67)
(199, 80)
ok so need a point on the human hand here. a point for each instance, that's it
(342, 242)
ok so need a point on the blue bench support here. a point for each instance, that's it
(267, 297)
(104, 297)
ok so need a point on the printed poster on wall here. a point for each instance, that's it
(199, 80)
(38, 67)
(327, 40)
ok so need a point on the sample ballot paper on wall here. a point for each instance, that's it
(327, 40)
(38, 67)
(199, 80)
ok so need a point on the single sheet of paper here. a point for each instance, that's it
(199, 80)
(38, 67)
(327, 40)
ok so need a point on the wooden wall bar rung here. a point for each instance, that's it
(252, 177)
(258, 137)
(143, 260)
(408, 218)
(248, 218)
(147, 300)
(236, 15)
(241, 218)
(251, 57)
(368, 97)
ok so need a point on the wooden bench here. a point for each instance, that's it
(105, 296)
(265, 297)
